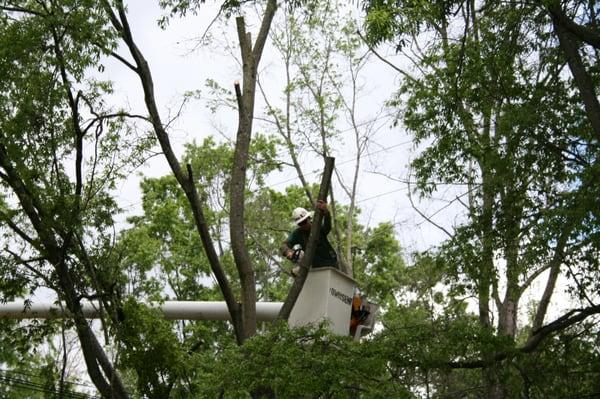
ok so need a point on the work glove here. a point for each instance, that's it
(297, 255)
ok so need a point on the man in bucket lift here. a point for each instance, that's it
(295, 245)
(362, 315)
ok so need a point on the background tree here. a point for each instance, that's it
(324, 64)
(505, 122)
(61, 151)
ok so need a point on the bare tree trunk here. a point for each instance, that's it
(486, 267)
(512, 211)
(491, 371)
(250, 60)
(238, 184)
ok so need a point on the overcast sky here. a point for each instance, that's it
(176, 69)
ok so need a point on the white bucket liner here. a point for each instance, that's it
(326, 295)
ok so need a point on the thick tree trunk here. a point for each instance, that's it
(494, 388)
(583, 81)
(507, 323)
(250, 60)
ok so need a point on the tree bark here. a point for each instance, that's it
(311, 246)
(570, 47)
(250, 60)
(185, 181)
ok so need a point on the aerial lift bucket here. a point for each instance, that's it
(328, 295)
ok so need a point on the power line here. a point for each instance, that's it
(131, 205)
(345, 162)
(381, 194)
(38, 376)
(38, 387)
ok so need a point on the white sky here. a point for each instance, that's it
(176, 71)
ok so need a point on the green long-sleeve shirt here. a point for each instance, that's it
(324, 254)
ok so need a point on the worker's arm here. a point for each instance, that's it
(288, 245)
(326, 226)
(286, 250)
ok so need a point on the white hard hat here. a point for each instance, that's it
(300, 215)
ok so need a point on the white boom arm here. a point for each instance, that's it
(172, 310)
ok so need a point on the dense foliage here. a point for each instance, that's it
(501, 99)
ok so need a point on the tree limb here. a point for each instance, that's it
(403, 73)
(583, 80)
(428, 219)
(186, 182)
(570, 318)
(311, 246)
(583, 33)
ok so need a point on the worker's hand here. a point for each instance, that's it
(289, 254)
(322, 206)
(297, 255)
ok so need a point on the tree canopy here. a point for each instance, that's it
(501, 102)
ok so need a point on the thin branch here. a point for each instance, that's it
(286, 134)
(580, 287)
(268, 253)
(428, 219)
(25, 263)
(22, 10)
(405, 74)
(212, 22)
(8, 220)
(124, 62)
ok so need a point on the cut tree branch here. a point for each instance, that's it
(311, 246)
